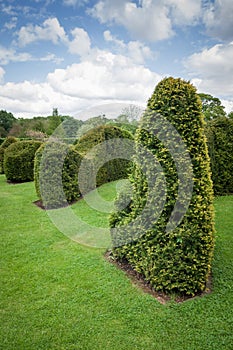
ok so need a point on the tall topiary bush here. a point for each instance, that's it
(6, 143)
(111, 170)
(56, 174)
(19, 160)
(219, 134)
(174, 258)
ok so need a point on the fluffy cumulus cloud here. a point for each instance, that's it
(152, 20)
(213, 69)
(81, 43)
(50, 30)
(105, 76)
(102, 78)
(218, 19)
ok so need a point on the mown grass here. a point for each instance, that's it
(58, 294)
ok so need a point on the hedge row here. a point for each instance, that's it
(101, 147)
(6, 143)
(219, 134)
(173, 251)
(19, 160)
(56, 174)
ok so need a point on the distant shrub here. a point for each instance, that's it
(19, 160)
(6, 143)
(56, 174)
(219, 134)
(111, 170)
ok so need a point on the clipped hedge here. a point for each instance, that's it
(173, 259)
(219, 134)
(6, 143)
(111, 170)
(19, 160)
(56, 174)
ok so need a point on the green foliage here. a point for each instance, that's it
(211, 107)
(6, 120)
(219, 134)
(19, 160)
(111, 170)
(6, 143)
(179, 260)
(56, 174)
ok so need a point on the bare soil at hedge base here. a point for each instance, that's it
(140, 282)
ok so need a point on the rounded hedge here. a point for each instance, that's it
(6, 143)
(219, 134)
(111, 170)
(176, 260)
(56, 174)
(19, 160)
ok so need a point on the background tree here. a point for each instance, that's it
(211, 107)
(6, 120)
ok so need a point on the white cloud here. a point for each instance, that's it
(218, 18)
(81, 44)
(2, 73)
(152, 20)
(228, 105)
(10, 55)
(102, 78)
(134, 49)
(51, 30)
(12, 24)
(8, 10)
(75, 2)
(185, 12)
(105, 76)
(214, 69)
(149, 21)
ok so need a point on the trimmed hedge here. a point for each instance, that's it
(19, 160)
(111, 170)
(56, 174)
(6, 143)
(174, 260)
(219, 134)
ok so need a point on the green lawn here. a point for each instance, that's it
(58, 294)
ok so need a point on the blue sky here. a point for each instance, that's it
(78, 54)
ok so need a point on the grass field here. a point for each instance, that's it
(58, 294)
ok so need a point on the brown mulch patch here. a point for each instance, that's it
(139, 280)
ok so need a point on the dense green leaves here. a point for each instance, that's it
(176, 260)
(6, 143)
(96, 146)
(19, 160)
(211, 107)
(219, 134)
(56, 174)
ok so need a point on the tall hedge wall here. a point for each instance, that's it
(114, 169)
(56, 174)
(219, 134)
(174, 260)
(19, 160)
(6, 143)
